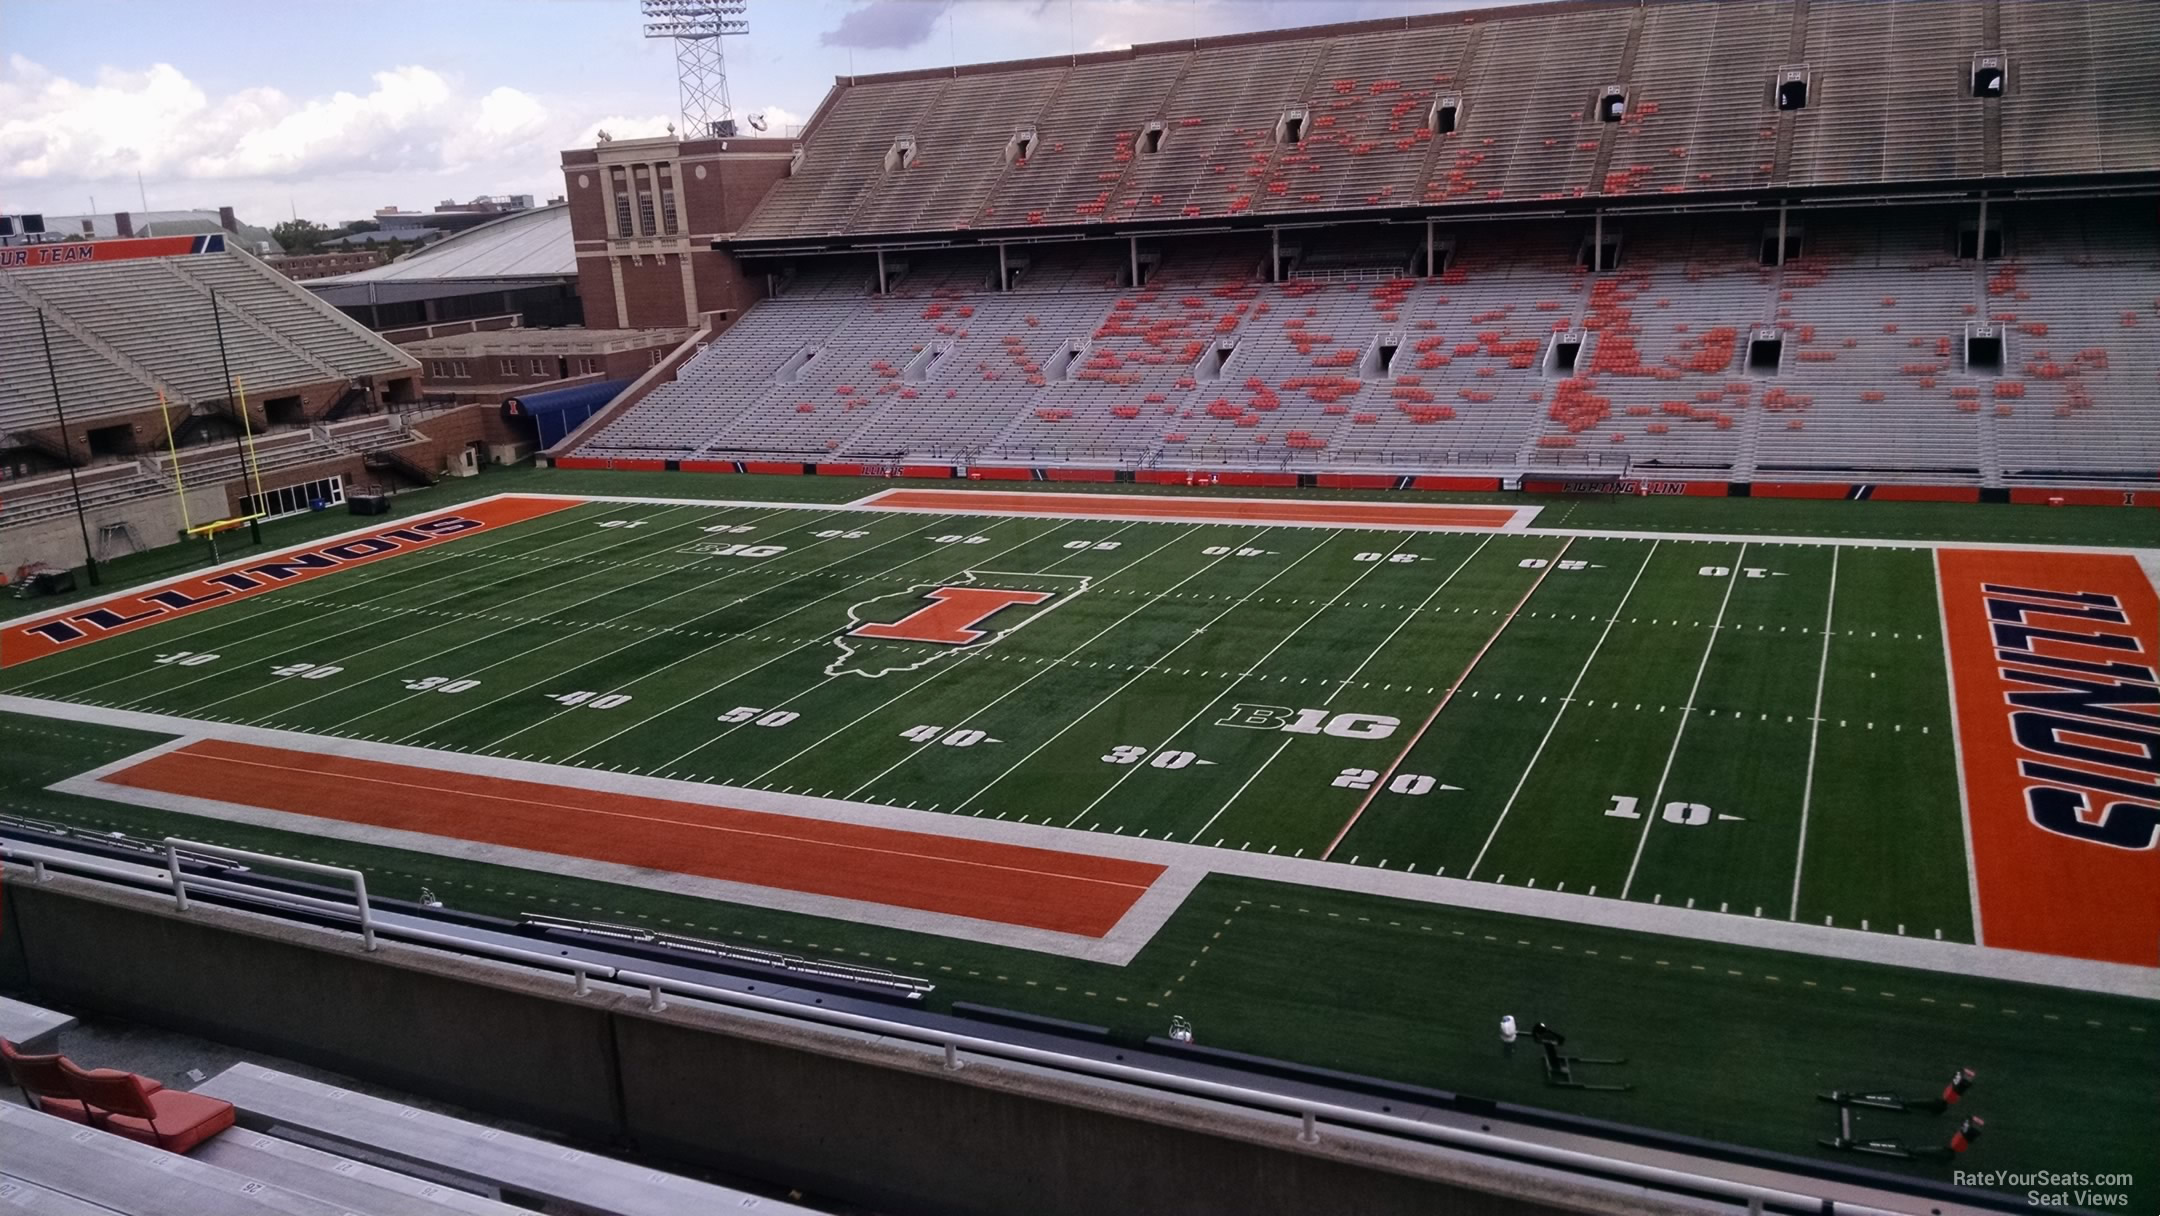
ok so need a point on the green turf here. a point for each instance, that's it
(1151, 703)
(1787, 517)
(1724, 1042)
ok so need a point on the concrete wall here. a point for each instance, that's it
(157, 522)
(851, 1116)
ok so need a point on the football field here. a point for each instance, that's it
(1748, 728)
(1396, 767)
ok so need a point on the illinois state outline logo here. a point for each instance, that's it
(904, 630)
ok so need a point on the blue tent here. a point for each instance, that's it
(558, 412)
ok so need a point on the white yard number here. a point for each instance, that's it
(1227, 551)
(590, 700)
(742, 550)
(1168, 758)
(1091, 544)
(1745, 571)
(839, 534)
(1687, 814)
(307, 671)
(728, 528)
(1310, 722)
(1412, 784)
(622, 523)
(187, 658)
(439, 684)
(1539, 563)
(1389, 557)
(757, 715)
(965, 737)
(956, 538)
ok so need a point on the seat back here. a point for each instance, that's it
(117, 1093)
(39, 1075)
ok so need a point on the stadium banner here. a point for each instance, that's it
(81, 624)
(2056, 496)
(75, 253)
(2058, 716)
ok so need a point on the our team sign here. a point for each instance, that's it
(124, 613)
(2058, 710)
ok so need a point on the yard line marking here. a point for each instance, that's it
(1234, 680)
(151, 640)
(1340, 685)
(330, 692)
(724, 639)
(1807, 789)
(737, 601)
(1150, 602)
(373, 625)
(1658, 799)
(1554, 726)
(1445, 699)
(959, 659)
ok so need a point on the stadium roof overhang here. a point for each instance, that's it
(395, 291)
(1993, 190)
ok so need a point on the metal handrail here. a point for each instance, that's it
(180, 881)
(1309, 1112)
(41, 858)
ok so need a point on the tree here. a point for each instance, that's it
(299, 236)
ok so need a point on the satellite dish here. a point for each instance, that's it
(757, 122)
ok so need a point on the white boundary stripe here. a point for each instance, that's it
(1652, 813)
(1957, 752)
(1187, 864)
(1807, 784)
(1560, 713)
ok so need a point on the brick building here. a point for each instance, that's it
(301, 267)
(488, 365)
(644, 216)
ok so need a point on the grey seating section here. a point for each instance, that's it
(1870, 382)
(341, 1180)
(1891, 105)
(156, 315)
(16, 1195)
(28, 1026)
(117, 1173)
(519, 1165)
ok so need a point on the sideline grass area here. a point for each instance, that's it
(1725, 1042)
(1789, 517)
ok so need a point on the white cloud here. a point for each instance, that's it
(414, 136)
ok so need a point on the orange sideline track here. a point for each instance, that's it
(1011, 884)
(1147, 506)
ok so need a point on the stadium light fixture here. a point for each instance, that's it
(697, 27)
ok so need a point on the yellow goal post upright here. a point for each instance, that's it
(208, 531)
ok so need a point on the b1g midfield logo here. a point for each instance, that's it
(906, 629)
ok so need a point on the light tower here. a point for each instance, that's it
(697, 26)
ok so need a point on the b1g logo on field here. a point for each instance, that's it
(1310, 721)
(906, 629)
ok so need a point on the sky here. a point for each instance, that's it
(330, 111)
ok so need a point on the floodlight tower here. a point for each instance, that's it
(697, 26)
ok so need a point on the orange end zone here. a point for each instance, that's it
(1011, 884)
(81, 624)
(1145, 506)
(2054, 657)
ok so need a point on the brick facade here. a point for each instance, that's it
(662, 269)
